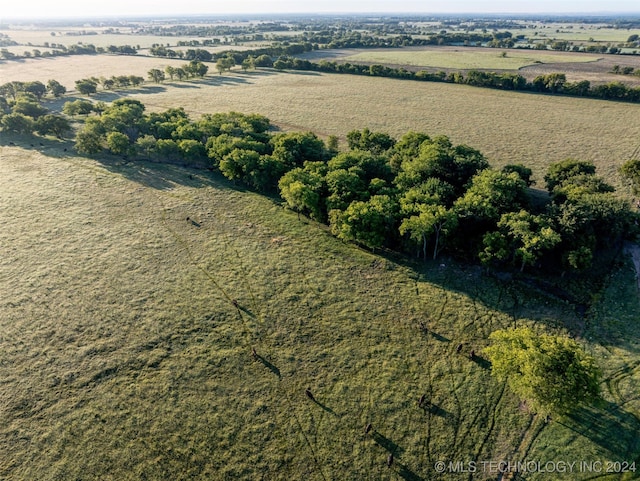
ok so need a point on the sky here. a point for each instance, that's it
(123, 8)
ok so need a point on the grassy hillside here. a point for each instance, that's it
(122, 355)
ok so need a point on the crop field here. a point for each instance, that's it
(123, 357)
(465, 58)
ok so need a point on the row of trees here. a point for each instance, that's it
(11, 90)
(195, 68)
(57, 50)
(555, 83)
(90, 85)
(418, 194)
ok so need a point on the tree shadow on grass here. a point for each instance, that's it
(439, 337)
(609, 426)
(221, 80)
(437, 411)
(306, 73)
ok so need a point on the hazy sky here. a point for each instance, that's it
(63, 8)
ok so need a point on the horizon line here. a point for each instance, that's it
(594, 13)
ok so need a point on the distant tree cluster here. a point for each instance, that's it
(417, 194)
(22, 113)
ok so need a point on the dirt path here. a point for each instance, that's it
(634, 250)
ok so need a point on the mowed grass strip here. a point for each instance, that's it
(464, 58)
(123, 357)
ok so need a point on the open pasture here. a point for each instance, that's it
(123, 356)
(508, 127)
(464, 58)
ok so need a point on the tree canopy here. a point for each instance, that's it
(552, 373)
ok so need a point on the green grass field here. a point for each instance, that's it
(464, 58)
(123, 357)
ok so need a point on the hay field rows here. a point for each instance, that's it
(122, 357)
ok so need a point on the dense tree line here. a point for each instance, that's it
(554, 83)
(418, 194)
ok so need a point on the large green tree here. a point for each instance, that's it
(551, 372)
(294, 148)
(17, 123)
(156, 75)
(119, 144)
(36, 88)
(303, 189)
(53, 124)
(439, 158)
(224, 64)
